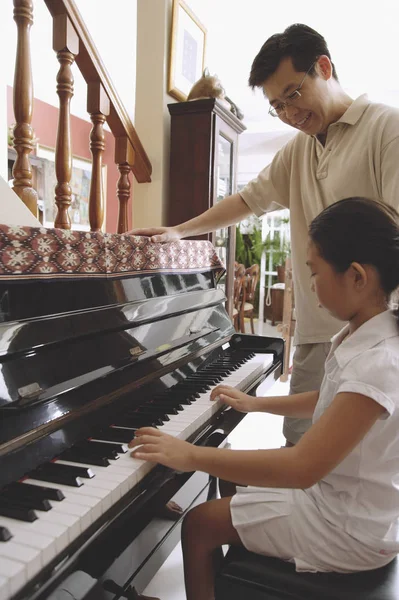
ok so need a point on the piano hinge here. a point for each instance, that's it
(29, 392)
(136, 351)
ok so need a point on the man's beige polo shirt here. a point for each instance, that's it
(360, 158)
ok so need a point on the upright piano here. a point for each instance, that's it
(101, 334)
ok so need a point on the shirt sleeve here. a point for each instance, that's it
(375, 374)
(270, 189)
(390, 173)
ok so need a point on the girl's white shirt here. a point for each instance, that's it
(361, 495)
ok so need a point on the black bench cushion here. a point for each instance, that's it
(249, 576)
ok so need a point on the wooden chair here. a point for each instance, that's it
(247, 308)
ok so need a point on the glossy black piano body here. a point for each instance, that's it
(75, 357)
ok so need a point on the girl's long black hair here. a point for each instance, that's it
(360, 230)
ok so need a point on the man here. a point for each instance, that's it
(344, 148)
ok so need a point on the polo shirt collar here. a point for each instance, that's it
(355, 110)
(373, 332)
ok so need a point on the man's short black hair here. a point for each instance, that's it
(299, 42)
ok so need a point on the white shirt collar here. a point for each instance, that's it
(371, 333)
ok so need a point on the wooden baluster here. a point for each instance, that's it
(66, 44)
(288, 324)
(124, 158)
(98, 106)
(23, 106)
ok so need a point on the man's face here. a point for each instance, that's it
(310, 112)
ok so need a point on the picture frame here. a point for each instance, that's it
(187, 51)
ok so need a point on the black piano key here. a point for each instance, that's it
(93, 448)
(56, 474)
(198, 387)
(5, 534)
(150, 409)
(152, 414)
(31, 490)
(210, 379)
(8, 509)
(171, 409)
(114, 434)
(138, 420)
(84, 472)
(80, 456)
(183, 397)
(18, 499)
(134, 422)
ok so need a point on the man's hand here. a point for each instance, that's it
(158, 234)
(158, 447)
(234, 398)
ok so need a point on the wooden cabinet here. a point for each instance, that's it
(203, 170)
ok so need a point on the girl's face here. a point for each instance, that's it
(334, 290)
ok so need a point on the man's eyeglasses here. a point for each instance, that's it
(276, 111)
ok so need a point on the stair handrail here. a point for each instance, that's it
(92, 69)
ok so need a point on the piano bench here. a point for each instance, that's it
(248, 575)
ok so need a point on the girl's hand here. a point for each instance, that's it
(158, 447)
(234, 398)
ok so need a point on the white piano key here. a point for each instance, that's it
(106, 473)
(54, 531)
(5, 591)
(102, 495)
(77, 510)
(30, 557)
(74, 498)
(45, 544)
(15, 574)
(70, 522)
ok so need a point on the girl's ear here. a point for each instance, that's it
(359, 274)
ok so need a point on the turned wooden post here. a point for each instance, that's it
(98, 106)
(288, 324)
(23, 107)
(66, 44)
(124, 158)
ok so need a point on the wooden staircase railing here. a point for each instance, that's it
(72, 43)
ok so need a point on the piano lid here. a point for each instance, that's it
(79, 306)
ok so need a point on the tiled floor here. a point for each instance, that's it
(255, 431)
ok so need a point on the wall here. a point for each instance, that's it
(114, 34)
(152, 119)
(45, 119)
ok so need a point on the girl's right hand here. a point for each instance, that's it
(234, 398)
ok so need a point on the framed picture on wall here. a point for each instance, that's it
(187, 51)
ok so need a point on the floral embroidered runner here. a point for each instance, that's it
(37, 252)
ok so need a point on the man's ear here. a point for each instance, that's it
(324, 67)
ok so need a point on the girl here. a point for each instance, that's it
(330, 503)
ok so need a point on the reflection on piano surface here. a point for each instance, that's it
(83, 363)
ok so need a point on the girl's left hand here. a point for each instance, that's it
(158, 447)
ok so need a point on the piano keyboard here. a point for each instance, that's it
(43, 514)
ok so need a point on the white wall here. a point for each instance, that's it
(152, 120)
(113, 32)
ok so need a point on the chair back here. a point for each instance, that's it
(239, 269)
(253, 278)
(239, 290)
